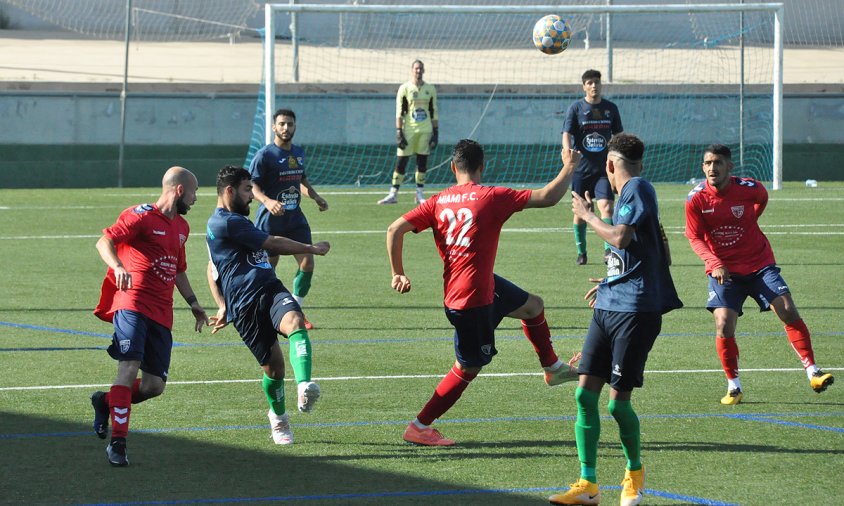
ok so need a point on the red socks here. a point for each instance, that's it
(539, 335)
(120, 404)
(136, 393)
(798, 336)
(448, 391)
(729, 355)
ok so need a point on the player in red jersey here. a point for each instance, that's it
(145, 254)
(466, 220)
(722, 225)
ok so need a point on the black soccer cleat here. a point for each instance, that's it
(101, 414)
(581, 259)
(116, 452)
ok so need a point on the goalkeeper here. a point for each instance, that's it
(416, 130)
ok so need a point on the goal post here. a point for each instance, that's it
(683, 76)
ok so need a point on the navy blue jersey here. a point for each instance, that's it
(241, 265)
(279, 173)
(592, 126)
(638, 279)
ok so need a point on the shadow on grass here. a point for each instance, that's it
(44, 461)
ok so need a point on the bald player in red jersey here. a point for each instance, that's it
(722, 225)
(145, 254)
(466, 220)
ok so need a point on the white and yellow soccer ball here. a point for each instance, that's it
(551, 34)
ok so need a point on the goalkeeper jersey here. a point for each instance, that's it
(417, 106)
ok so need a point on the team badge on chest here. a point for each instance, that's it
(738, 211)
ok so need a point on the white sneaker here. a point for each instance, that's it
(389, 199)
(280, 425)
(308, 395)
(420, 197)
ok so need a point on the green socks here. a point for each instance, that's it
(300, 355)
(302, 283)
(580, 238)
(628, 431)
(608, 221)
(587, 431)
(274, 390)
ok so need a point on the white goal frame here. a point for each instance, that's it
(777, 9)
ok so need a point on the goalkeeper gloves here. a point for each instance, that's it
(435, 137)
(400, 140)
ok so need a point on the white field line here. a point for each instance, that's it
(398, 377)
(673, 229)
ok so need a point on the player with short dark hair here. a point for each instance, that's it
(722, 225)
(279, 181)
(628, 307)
(466, 221)
(417, 130)
(250, 295)
(590, 123)
(145, 254)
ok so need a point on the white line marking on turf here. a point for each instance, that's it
(396, 377)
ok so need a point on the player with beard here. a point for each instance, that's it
(249, 295)
(145, 254)
(722, 225)
(278, 183)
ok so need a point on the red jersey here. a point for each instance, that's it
(466, 220)
(723, 226)
(151, 247)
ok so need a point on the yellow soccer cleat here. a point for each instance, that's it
(732, 398)
(820, 380)
(582, 492)
(632, 487)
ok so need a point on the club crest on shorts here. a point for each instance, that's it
(738, 211)
(486, 349)
(124, 345)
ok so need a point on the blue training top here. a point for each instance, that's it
(241, 265)
(592, 126)
(638, 278)
(279, 173)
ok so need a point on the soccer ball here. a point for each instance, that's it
(551, 34)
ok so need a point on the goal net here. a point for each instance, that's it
(683, 76)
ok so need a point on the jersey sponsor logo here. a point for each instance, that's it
(615, 264)
(259, 259)
(289, 198)
(625, 210)
(738, 211)
(142, 208)
(727, 235)
(165, 267)
(159, 232)
(594, 142)
(419, 114)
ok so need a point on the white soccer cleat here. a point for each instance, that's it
(389, 199)
(280, 426)
(420, 197)
(308, 395)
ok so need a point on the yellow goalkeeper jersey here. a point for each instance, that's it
(417, 106)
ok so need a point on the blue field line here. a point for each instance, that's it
(760, 417)
(422, 493)
(317, 341)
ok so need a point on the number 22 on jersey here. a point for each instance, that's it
(463, 218)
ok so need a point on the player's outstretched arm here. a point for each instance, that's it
(552, 192)
(276, 245)
(395, 245)
(219, 320)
